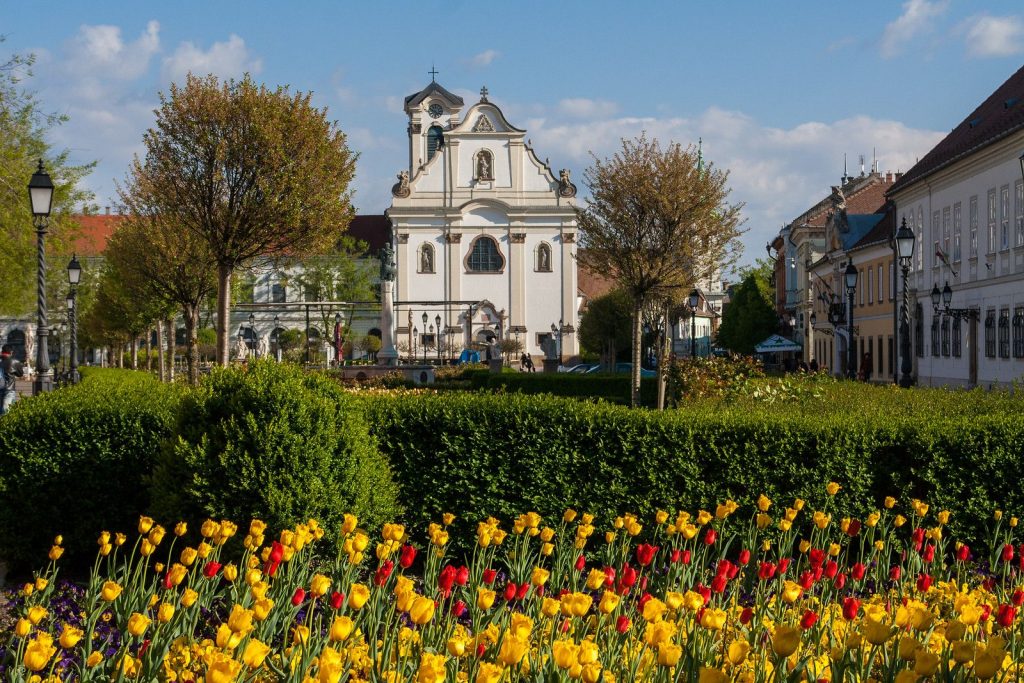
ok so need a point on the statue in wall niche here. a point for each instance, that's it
(426, 259)
(241, 349)
(401, 188)
(483, 166)
(388, 269)
(565, 186)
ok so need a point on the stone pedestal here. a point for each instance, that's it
(550, 365)
(495, 365)
(388, 354)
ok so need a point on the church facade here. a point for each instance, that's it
(484, 233)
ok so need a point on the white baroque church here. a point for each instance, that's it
(484, 233)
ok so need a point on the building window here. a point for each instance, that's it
(543, 258)
(871, 284)
(1004, 217)
(1004, 333)
(945, 336)
(990, 334)
(991, 221)
(936, 246)
(484, 165)
(435, 141)
(892, 281)
(860, 290)
(972, 217)
(935, 336)
(1018, 212)
(945, 231)
(956, 337)
(919, 331)
(880, 283)
(426, 264)
(485, 256)
(920, 238)
(956, 232)
(1018, 333)
(278, 292)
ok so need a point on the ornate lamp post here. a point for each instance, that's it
(254, 336)
(277, 338)
(437, 339)
(74, 277)
(40, 194)
(905, 252)
(693, 301)
(415, 342)
(851, 287)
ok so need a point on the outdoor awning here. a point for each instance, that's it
(775, 344)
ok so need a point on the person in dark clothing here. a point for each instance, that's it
(10, 370)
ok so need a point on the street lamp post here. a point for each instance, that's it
(40, 193)
(694, 301)
(415, 342)
(556, 332)
(74, 277)
(252, 333)
(905, 251)
(437, 339)
(277, 338)
(851, 287)
(424, 318)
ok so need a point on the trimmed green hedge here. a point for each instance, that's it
(476, 455)
(75, 461)
(606, 386)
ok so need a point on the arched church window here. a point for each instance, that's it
(484, 165)
(426, 258)
(435, 141)
(543, 258)
(278, 292)
(485, 256)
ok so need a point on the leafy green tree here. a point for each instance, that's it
(748, 319)
(605, 325)
(24, 127)
(252, 171)
(342, 275)
(657, 221)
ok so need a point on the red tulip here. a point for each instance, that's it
(489, 575)
(627, 577)
(766, 571)
(744, 557)
(676, 555)
(723, 568)
(854, 528)
(746, 615)
(644, 554)
(622, 624)
(719, 583)
(686, 557)
(806, 580)
(337, 599)
(857, 571)
(963, 553)
(895, 573)
(298, 596)
(831, 569)
(710, 537)
(480, 650)
(458, 608)
(145, 646)
(406, 556)
(462, 575)
(274, 560)
(809, 619)
(644, 599)
(522, 590)
(446, 579)
(840, 581)
(1018, 597)
(986, 610)
(704, 591)
(609, 576)
(510, 591)
(783, 565)
(1006, 615)
(924, 582)
(1008, 552)
(851, 606)
(383, 572)
(211, 569)
(581, 562)
(816, 557)
(928, 554)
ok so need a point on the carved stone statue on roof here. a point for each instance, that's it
(565, 186)
(838, 213)
(401, 188)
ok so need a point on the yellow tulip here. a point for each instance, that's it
(456, 647)
(791, 592)
(421, 611)
(110, 591)
(713, 619)
(164, 612)
(254, 654)
(221, 668)
(654, 609)
(94, 659)
(708, 675)
(989, 662)
(786, 640)
(763, 503)
(963, 651)
(889, 502)
(908, 647)
(358, 595)
(485, 598)
(22, 628)
(70, 636)
(832, 488)
(596, 579)
(564, 652)
(489, 673)
(261, 608)
(539, 576)
(137, 624)
(39, 651)
(513, 650)
(432, 668)
(189, 597)
(877, 632)
(36, 614)
(669, 654)
(738, 651)
(926, 663)
(180, 529)
(319, 585)
(145, 524)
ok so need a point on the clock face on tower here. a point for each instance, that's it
(435, 110)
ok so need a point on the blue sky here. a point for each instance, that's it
(778, 91)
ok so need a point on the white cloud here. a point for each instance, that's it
(916, 19)
(98, 51)
(988, 36)
(584, 108)
(777, 172)
(484, 58)
(226, 59)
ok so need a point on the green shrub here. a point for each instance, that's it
(606, 386)
(276, 443)
(75, 461)
(476, 455)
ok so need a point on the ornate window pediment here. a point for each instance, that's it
(483, 125)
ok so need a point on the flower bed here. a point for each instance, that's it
(781, 593)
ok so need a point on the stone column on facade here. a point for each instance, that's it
(570, 344)
(518, 267)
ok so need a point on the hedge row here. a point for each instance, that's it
(476, 455)
(606, 386)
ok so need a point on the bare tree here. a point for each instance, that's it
(657, 222)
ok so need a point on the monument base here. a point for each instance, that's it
(551, 365)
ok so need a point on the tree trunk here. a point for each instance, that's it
(135, 351)
(171, 338)
(149, 349)
(120, 355)
(160, 350)
(663, 356)
(192, 343)
(223, 316)
(634, 378)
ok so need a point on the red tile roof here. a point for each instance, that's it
(591, 284)
(997, 117)
(94, 231)
(375, 230)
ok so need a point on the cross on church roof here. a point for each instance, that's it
(483, 94)
(433, 73)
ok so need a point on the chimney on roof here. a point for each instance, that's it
(899, 174)
(888, 176)
(107, 210)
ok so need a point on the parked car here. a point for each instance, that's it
(582, 368)
(626, 368)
